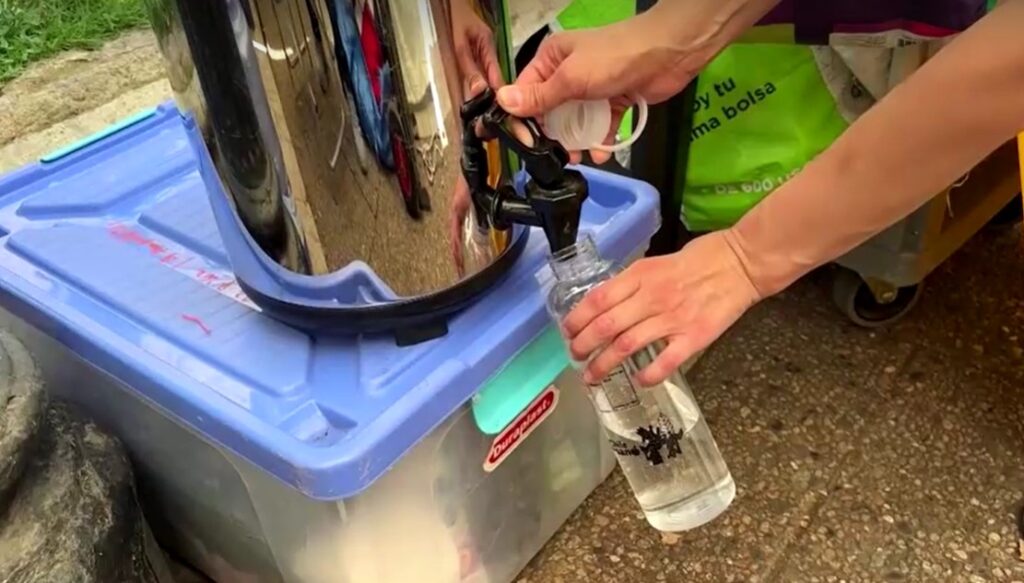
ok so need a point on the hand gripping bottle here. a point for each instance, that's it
(658, 434)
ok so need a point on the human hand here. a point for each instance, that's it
(475, 53)
(687, 299)
(477, 62)
(621, 62)
(461, 202)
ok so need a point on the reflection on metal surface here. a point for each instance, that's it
(333, 125)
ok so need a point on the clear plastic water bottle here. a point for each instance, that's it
(658, 434)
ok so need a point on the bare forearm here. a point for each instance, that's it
(930, 130)
(702, 28)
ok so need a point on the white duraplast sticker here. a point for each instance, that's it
(521, 427)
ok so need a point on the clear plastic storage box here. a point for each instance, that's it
(265, 454)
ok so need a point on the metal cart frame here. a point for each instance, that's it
(881, 280)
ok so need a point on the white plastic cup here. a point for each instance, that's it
(584, 125)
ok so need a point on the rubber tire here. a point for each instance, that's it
(22, 405)
(68, 505)
(854, 299)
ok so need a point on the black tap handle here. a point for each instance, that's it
(544, 159)
(476, 107)
(554, 195)
(474, 156)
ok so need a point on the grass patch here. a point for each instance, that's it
(35, 29)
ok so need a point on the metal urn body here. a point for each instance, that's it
(332, 133)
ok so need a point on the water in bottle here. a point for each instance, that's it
(658, 434)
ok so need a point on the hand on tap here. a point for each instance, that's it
(868, 179)
(475, 52)
(654, 55)
(477, 61)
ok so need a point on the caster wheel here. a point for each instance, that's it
(854, 298)
(1010, 215)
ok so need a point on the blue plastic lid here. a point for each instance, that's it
(111, 248)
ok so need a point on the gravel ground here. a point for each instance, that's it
(76, 94)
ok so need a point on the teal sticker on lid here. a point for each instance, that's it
(104, 133)
(515, 386)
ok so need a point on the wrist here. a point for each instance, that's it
(769, 269)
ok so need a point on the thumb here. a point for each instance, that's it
(534, 99)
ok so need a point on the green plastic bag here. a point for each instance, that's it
(591, 13)
(762, 112)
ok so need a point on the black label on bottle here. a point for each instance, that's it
(657, 443)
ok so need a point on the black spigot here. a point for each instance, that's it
(553, 197)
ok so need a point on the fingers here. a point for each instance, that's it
(492, 69)
(602, 156)
(602, 299)
(531, 74)
(679, 349)
(473, 82)
(520, 132)
(611, 327)
(469, 54)
(543, 65)
(476, 57)
(619, 108)
(544, 84)
(625, 345)
(458, 211)
(534, 100)
(486, 56)
(687, 299)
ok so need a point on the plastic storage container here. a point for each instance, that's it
(264, 454)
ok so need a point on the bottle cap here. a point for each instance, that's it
(584, 125)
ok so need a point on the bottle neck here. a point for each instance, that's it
(576, 261)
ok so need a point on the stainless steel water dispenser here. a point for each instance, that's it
(333, 131)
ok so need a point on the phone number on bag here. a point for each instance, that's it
(765, 185)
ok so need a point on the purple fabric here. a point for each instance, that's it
(815, 20)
